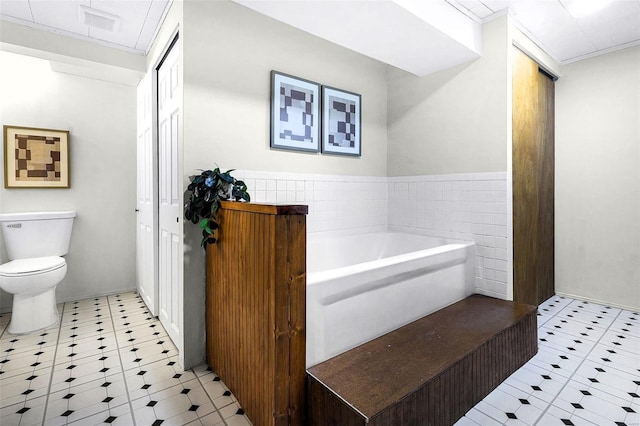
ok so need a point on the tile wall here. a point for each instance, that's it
(337, 203)
(469, 206)
(460, 206)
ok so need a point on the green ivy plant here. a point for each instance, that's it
(204, 194)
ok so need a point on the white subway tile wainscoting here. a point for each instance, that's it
(463, 206)
(109, 362)
(471, 206)
(337, 203)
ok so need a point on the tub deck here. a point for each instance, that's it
(431, 371)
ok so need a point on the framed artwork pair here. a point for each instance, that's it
(306, 116)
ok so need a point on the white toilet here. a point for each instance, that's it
(35, 243)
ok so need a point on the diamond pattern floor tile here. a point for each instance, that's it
(147, 379)
(586, 371)
(109, 362)
(118, 416)
(19, 388)
(26, 413)
(83, 400)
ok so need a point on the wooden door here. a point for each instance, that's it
(533, 181)
(170, 236)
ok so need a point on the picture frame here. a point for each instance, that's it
(35, 157)
(341, 122)
(295, 113)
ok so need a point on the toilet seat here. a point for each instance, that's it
(33, 266)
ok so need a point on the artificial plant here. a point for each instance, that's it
(203, 195)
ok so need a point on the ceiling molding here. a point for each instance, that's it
(82, 54)
(70, 34)
(601, 52)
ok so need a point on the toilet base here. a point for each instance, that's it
(33, 312)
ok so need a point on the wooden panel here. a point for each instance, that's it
(546, 168)
(327, 408)
(533, 182)
(238, 349)
(290, 318)
(273, 209)
(430, 371)
(256, 287)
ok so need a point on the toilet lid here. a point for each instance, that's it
(30, 266)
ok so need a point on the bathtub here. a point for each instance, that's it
(362, 286)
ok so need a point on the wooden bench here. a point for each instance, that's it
(429, 372)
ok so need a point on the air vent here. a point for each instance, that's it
(98, 19)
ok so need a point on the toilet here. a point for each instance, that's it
(35, 243)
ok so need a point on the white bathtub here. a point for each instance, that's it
(362, 286)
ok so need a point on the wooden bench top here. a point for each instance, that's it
(378, 373)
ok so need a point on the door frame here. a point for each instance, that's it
(154, 200)
(152, 74)
(176, 336)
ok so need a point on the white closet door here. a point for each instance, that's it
(169, 194)
(147, 206)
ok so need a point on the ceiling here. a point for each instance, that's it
(127, 25)
(563, 28)
(414, 35)
(568, 30)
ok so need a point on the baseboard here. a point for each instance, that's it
(601, 302)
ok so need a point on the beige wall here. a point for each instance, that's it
(598, 179)
(229, 52)
(101, 119)
(454, 120)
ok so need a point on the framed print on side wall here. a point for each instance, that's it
(36, 158)
(295, 113)
(341, 119)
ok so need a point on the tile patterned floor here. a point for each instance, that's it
(109, 362)
(586, 372)
(106, 362)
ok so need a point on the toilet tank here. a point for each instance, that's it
(37, 234)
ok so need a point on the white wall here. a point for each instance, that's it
(448, 137)
(598, 179)
(453, 121)
(228, 52)
(101, 119)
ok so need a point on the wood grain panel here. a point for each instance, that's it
(533, 182)
(273, 209)
(430, 372)
(256, 298)
(546, 194)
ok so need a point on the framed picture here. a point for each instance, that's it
(36, 158)
(295, 113)
(341, 118)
